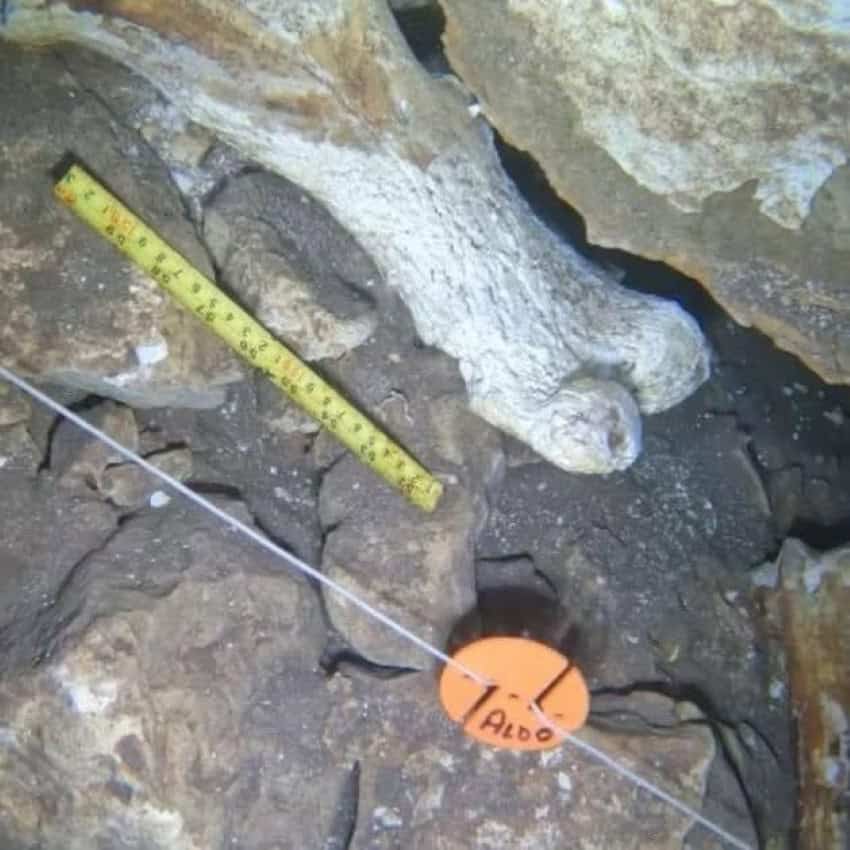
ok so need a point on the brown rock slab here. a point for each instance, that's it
(183, 709)
(78, 459)
(808, 608)
(303, 276)
(129, 486)
(78, 313)
(424, 784)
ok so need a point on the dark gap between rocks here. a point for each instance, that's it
(338, 656)
(422, 28)
(345, 817)
(788, 414)
(81, 406)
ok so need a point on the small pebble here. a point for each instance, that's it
(776, 689)
(159, 499)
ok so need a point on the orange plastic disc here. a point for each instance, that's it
(526, 671)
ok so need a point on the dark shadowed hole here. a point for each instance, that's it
(641, 274)
(422, 28)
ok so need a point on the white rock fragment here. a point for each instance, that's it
(564, 782)
(148, 353)
(776, 689)
(836, 416)
(159, 499)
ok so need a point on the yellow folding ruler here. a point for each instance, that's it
(174, 273)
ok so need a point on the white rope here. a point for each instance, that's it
(240, 526)
(364, 606)
(628, 773)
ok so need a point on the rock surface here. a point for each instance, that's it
(418, 569)
(78, 313)
(46, 535)
(296, 269)
(179, 705)
(708, 135)
(551, 348)
(808, 594)
(423, 786)
(188, 717)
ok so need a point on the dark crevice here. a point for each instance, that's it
(480, 585)
(677, 691)
(638, 273)
(422, 28)
(215, 488)
(281, 542)
(819, 536)
(80, 407)
(170, 446)
(337, 657)
(345, 818)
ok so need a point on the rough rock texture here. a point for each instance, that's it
(551, 348)
(808, 598)
(46, 535)
(178, 704)
(710, 135)
(422, 786)
(419, 570)
(14, 406)
(314, 302)
(75, 312)
(191, 720)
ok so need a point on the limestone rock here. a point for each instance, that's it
(46, 534)
(78, 459)
(186, 716)
(18, 452)
(551, 348)
(424, 785)
(77, 312)
(14, 405)
(303, 276)
(418, 569)
(128, 486)
(709, 135)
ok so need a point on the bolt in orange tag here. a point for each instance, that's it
(526, 672)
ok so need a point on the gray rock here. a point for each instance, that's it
(129, 486)
(18, 452)
(707, 135)
(77, 313)
(14, 405)
(78, 459)
(551, 348)
(297, 270)
(786, 493)
(424, 785)
(188, 716)
(417, 569)
(46, 534)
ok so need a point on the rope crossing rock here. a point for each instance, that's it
(464, 668)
